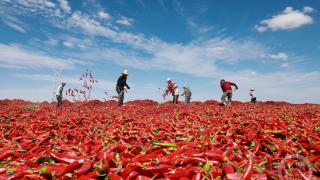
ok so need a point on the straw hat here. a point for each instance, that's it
(125, 72)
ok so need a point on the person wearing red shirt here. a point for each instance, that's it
(227, 91)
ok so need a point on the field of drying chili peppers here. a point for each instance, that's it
(146, 140)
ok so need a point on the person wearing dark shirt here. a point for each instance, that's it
(227, 91)
(121, 83)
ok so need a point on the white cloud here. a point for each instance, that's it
(47, 3)
(280, 56)
(261, 28)
(15, 26)
(72, 42)
(93, 27)
(13, 22)
(199, 29)
(125, 21)
(64, 4)
(308, 9)
(30, 94)
(68, 44)
(31, 7)
(13, 55)
(52, 42)
(72, 81)
(180, 58)
(287, 19)
(284, 65)
(104, 15)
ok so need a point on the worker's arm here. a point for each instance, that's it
(125, 83)
(233, 84)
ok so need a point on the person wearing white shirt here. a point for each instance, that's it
(59, 94)
(252, 93)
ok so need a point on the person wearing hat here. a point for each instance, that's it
(187, 95)
(227, 91)
(252, 93)
(173, 89)
(59, 94)
(121, 83)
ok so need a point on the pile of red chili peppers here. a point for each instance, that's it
(147, 140)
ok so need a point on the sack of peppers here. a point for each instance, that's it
(146, 140)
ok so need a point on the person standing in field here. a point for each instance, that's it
(173, 89)
(121, 83)
(187, 95)
(252, 93)
(59, 94)
(227, 92)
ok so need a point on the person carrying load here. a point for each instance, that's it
(173, 89)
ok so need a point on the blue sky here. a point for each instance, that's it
(272, 46)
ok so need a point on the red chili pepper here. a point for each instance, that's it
(236, 176)
(91, 175)
(121, 147)
(218, 157)
(251, 134)
(180, 173)
(304, 177)
(311, 146)
(65, 158)
(37, 146)
(143, 178)
(196, 176)
(5, 154)
(249, 170)
(227, 169)
(313, 158)
(2, 170)
(115, 176)
(32, 164)
(190, 160)
(156, 169)
(257, 147)
(17, 175)
(34, 177)
(71, 167)
(51, 169)
(85, 167)
(129, 168)
(238, 157)
(318, 162)
(132, 175)
(280, 152)
(215, 171)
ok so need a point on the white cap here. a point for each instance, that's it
(125, 72)
(168, 79)
(251, 89)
